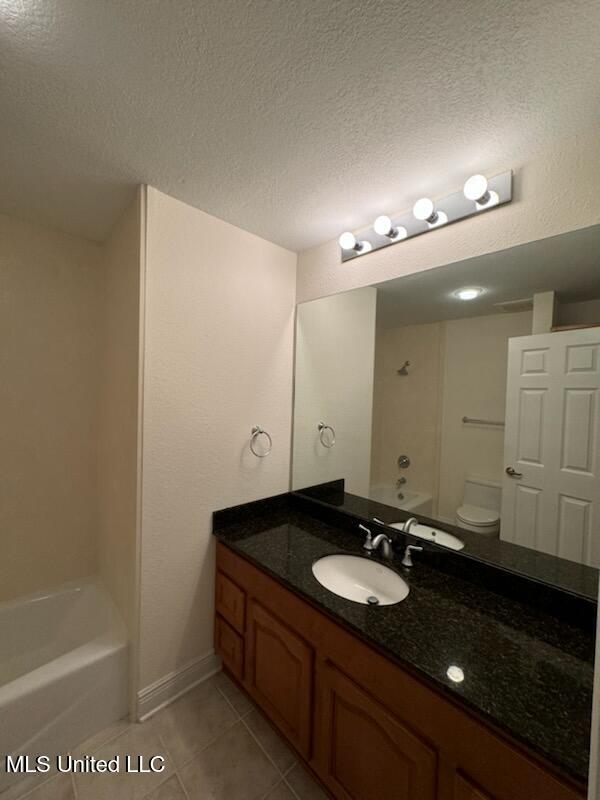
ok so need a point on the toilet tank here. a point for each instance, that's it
(483, 493)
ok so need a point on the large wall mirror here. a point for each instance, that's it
(467, 397)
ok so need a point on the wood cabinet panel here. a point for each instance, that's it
(365, 752)
(230, 601)
(279, 674)
(230, 646)
(465, 790)
(285, 635)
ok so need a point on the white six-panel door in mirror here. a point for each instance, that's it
(551, 490)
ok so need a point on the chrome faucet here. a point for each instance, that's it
(409, 523)
(407, 557)
(371, 544)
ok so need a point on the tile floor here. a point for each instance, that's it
(216, 745)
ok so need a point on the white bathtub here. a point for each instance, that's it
(417, 502)
(63, 670)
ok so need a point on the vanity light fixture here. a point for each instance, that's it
(383, 226)
(348, 241)
(478, 195)
(476, 189)
(425, 211)
(468, 292)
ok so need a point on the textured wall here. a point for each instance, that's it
(218, 359)
(117, 443)
(335, 353)
(554, 192)
(474, 385)
(50, 332)
(406, 407)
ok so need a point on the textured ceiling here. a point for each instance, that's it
(505, 276)
(292, 119)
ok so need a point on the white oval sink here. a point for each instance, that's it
(360, 580)
(442, 538)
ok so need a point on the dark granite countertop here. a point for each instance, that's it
(526, 671)
(578, 579)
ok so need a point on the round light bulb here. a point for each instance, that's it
(423, 209)
(476, 187)
(401, 233)
(347, 241)
(468, 293)
(382, 225)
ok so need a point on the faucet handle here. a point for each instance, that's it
(368, 545)
(407, 558)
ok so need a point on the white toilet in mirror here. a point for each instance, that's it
(480, 511)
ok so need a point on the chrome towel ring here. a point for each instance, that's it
(326, 441)
(256, 432)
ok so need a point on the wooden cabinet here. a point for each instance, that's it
(279, 670)
(367, 728)
(364, 751)
(230, 645)
(230, 601)
(465, 790)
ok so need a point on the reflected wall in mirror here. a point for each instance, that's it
(480, 414)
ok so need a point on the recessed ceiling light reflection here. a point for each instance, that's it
(468, 293)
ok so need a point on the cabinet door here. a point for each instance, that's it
(465, 790)
(279, 666)
(364, 752)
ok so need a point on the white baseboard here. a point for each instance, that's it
(170, 687)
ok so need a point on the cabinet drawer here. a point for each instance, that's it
(230, 601)
(230, 646)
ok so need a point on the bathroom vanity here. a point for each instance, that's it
(455, 693)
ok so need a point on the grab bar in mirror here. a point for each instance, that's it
(473, 421)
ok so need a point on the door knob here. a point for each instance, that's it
(512, 472)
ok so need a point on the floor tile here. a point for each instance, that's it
(238, 699)
(25, 784)
(231, 768)
(304, 785)
(96, 741)
(137, 740)
(193, 721)
(57, 788)
(280, 792)
(270, 740)
(169, 790)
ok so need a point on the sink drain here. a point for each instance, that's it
(372, 600)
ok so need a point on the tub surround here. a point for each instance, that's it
(527, 672)
(571, 577)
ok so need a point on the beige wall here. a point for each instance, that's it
(117, 444)
(406, 407)
(458, 368)
(553, 193)
(474, 385)
(50, 332)
(218, 359)
(335, 349)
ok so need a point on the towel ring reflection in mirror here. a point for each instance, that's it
(327, 440)
(256, 432)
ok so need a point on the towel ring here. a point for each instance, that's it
(322, 428)
(256, 432)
